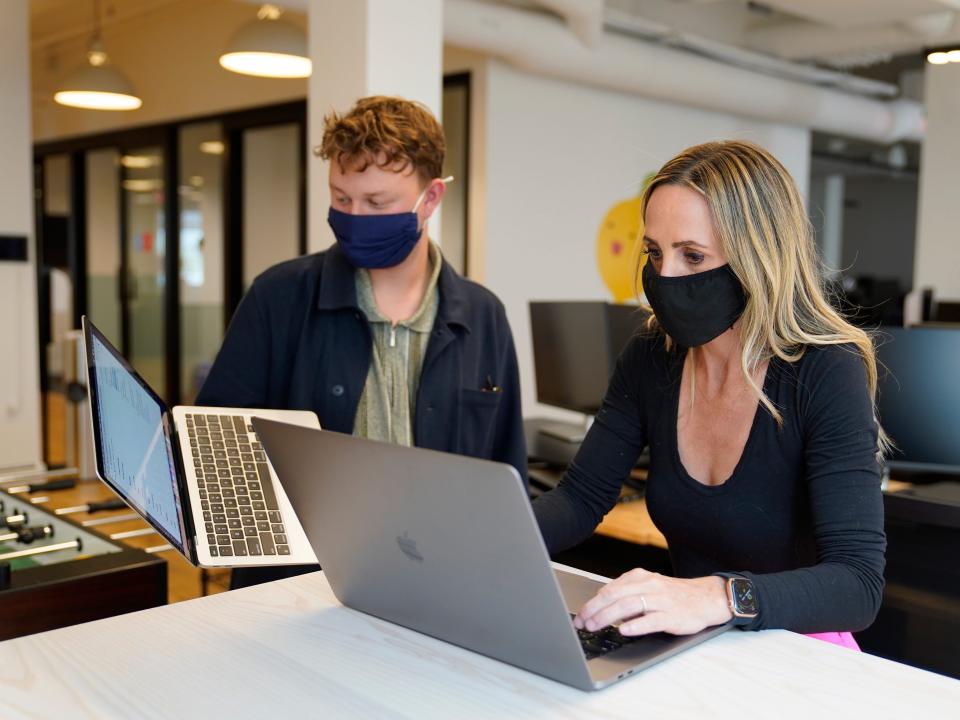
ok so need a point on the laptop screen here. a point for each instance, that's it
(133, 448)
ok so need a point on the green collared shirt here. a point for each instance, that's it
(386, 408)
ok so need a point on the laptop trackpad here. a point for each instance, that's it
(576, 589)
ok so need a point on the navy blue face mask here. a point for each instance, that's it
(377, 241)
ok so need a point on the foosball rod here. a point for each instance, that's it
(31, 488)
(69, 545)
(110, 520)
(94, 507)
(14, 521)
(28, 535)
(133, 533)
(47, 475)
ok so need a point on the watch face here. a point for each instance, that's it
(743, 596)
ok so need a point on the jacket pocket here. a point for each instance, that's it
(478, 414)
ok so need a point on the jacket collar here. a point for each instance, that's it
(338, 289)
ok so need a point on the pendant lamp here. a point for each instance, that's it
(97, 85)
(268, 47)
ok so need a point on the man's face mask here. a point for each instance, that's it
(694, 309)
(377, 241)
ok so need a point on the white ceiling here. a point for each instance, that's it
(54, 20)
(840, 32)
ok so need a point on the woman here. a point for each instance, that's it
(756, 400)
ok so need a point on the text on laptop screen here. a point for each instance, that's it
(136, 456)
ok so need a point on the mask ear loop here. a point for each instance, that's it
(447, 179)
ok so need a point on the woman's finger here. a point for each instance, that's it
(650, 623)
(625, 585)
(624, 608)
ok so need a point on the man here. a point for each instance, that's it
(378, 335)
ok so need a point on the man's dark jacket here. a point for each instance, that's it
(299, 341)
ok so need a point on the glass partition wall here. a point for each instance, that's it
(201, 195)
(155, 233)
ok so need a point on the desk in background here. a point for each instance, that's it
(289, 649)
(919, 621)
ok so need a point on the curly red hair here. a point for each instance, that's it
(391, 132)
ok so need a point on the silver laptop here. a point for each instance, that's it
(198, 475)
(448, 546)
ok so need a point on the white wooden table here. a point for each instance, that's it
(290, 650)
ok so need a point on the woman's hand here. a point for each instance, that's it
(645, 602)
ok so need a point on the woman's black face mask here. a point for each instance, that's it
(694, 309)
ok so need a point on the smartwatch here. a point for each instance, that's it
(742, 599)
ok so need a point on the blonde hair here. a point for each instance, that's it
(764, 232)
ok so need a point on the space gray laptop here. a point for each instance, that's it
(448, 546)
(198, 475)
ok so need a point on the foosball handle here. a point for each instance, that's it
(114, 504)
(53, 485)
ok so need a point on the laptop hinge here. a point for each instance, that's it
(190, 530)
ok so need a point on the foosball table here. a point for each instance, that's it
(57, 571)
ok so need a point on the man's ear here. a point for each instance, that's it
(433, 196)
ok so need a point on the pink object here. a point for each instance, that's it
(843, 639)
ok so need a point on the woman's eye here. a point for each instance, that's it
(694, 258)
(652, 252)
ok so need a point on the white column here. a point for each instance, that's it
(360, 48)
(937, 257)
(19, 383)
(832, 241)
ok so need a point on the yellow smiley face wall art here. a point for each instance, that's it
(619, 260)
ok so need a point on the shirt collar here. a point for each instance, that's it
(338, 289)
(422, 319)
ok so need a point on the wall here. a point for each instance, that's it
(938, 226)
(271, 196)
(170, 55)
(19, 383)
(557, 156)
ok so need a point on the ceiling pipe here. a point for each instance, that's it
(588, 19)
(803, 40)
(543, 45)
(643, 29)
(583, 17)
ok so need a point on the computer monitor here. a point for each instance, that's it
(575, 349)
(918, 399)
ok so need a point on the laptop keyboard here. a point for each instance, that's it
(240, 510)
(603, 641)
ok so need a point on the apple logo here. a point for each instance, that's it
(409, 547)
